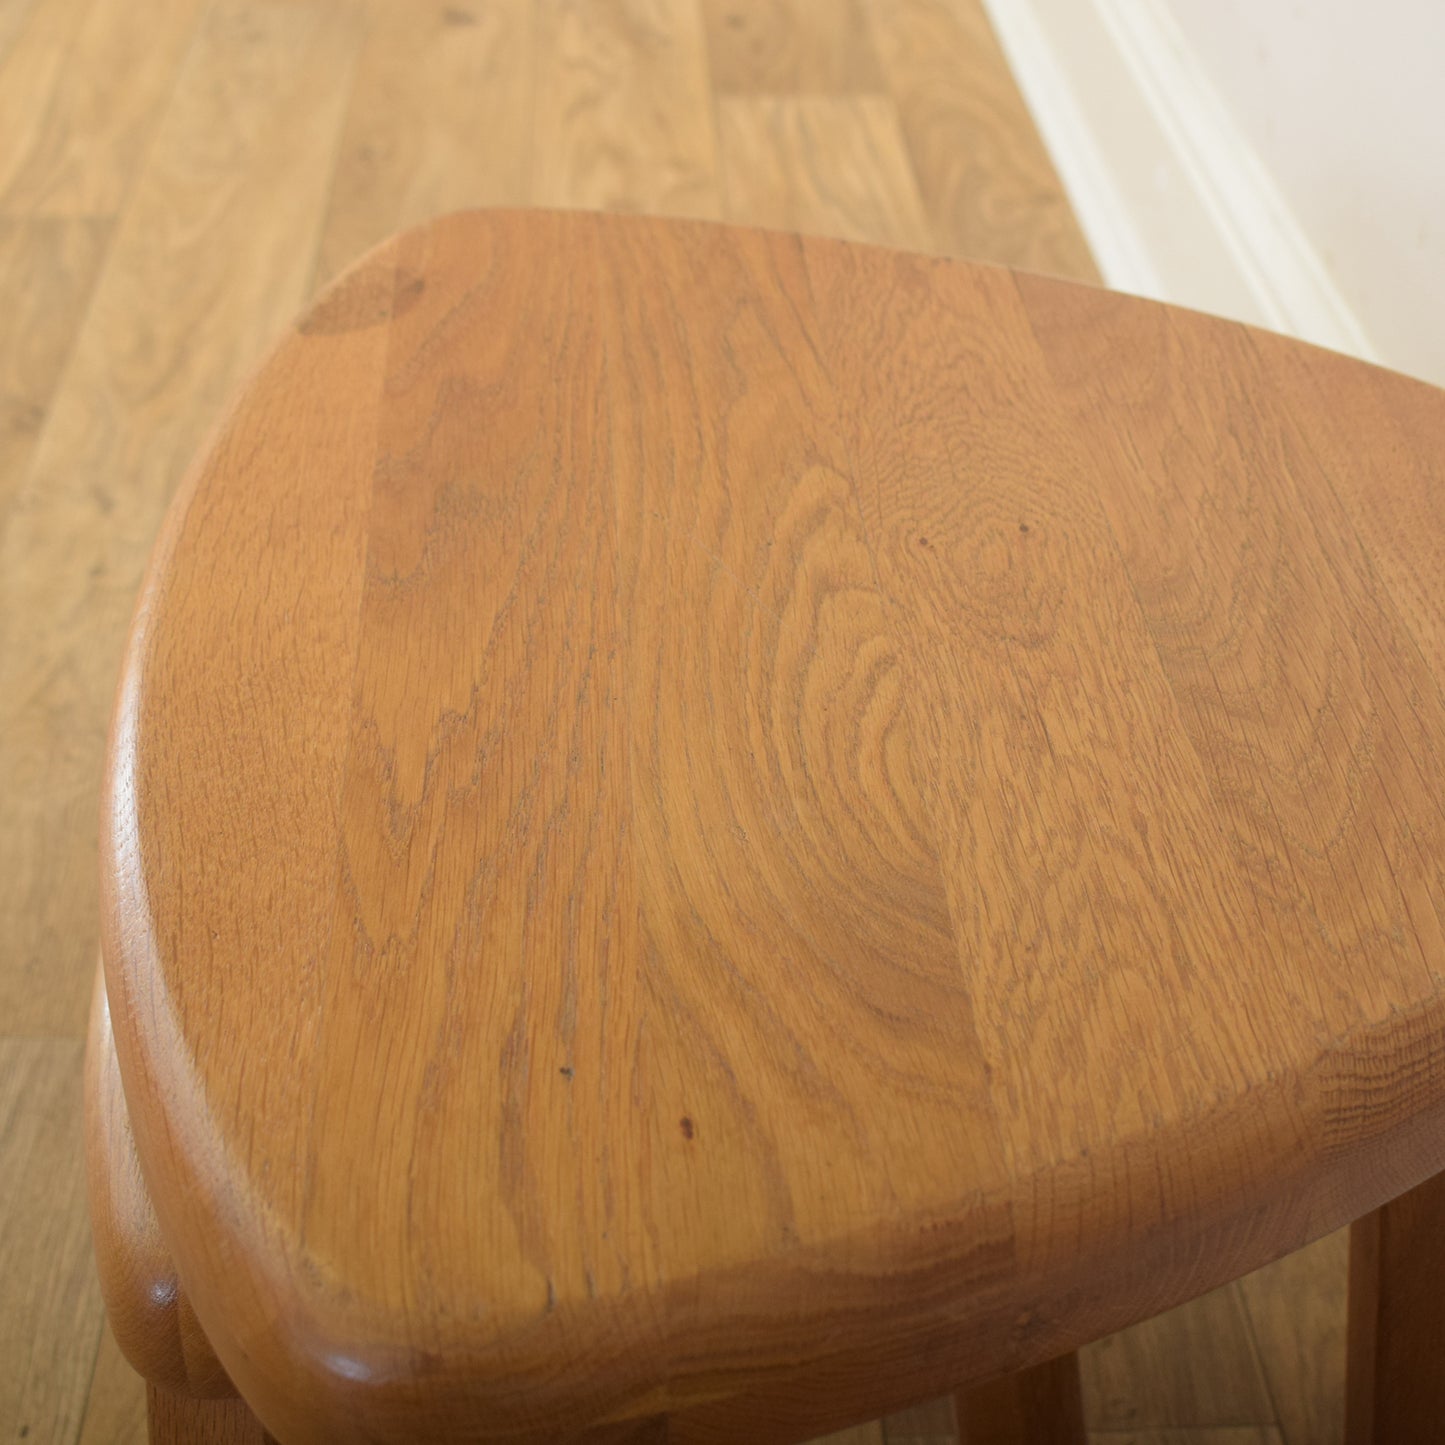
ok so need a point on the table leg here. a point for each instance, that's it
(1041, 1406)
(1395, 1376)
(182, 1420)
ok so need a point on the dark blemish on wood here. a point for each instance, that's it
(688, 1132)
(454, 16)
(923, 541)
(365, 298)
(565, 1071)
(1023, 526)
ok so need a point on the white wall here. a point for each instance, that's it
(1344, 103)
(1279, 161)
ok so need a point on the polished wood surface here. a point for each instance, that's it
(148, 1310)
(723, 842)
(123, 334)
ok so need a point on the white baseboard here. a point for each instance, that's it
(1170, 194)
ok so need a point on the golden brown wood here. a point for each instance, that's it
(1040, 1406)
(831, 165)
(687, 744)
(81, 89)
(181, 1420)
(1395, 1386)
(149, 1314)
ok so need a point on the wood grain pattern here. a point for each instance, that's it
(790, 47)
(81, 113)
(987, 182)
(51, 1321)
(705, 986)
(210, 259)
(1062, 787)
(1349, 740)
(834, 166)
(76, 150)
(47, 268)
(35, 43)
(82, 98)
(180, 1420)
(620, 120)
(434, 121)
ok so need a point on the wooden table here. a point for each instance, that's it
(709, 833)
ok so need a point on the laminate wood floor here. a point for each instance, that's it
(176, 177)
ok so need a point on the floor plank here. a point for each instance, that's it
(834, 165)
(78, 153)
(210, 260)
(623, 117)
(933, 1423)
(34, 60)
(50, 1326)
(47, 269)
(437, 121)
(1192, 1366)
(1296, 1307)
(870, 1434)
(1217, 1435)
(988, 185)
(790, 47)
(115, 1413)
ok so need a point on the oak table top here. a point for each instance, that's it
(712, 827)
